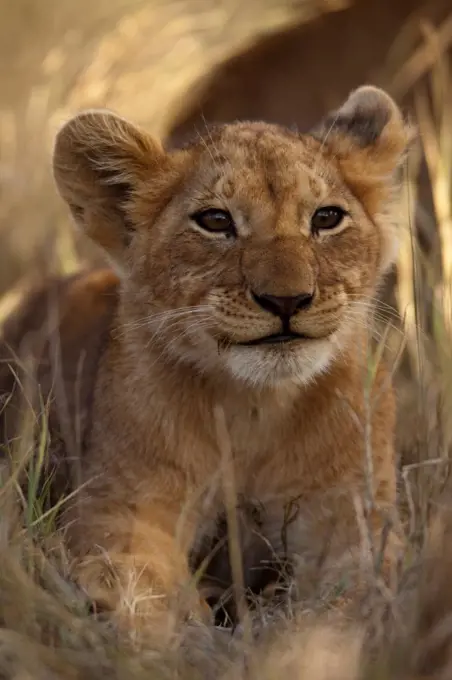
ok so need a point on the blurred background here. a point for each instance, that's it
(175, 65)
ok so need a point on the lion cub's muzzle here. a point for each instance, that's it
(285, 307)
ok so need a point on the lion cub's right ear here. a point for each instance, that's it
(99, 162)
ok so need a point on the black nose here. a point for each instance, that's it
(283, 306)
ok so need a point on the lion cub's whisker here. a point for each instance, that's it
(165, 315)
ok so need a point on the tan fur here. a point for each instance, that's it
(298, 423)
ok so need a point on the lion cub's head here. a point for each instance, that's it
(253, 248)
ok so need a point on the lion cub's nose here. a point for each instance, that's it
(283, 306)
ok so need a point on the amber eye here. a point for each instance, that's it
(327, 218)
(214, 220)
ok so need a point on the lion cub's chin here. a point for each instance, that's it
(298, 362)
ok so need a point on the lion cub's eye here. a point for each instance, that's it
(216, 221)
(327, 218)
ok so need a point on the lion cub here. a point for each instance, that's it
(232, 341)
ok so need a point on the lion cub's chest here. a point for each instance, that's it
(256, 433)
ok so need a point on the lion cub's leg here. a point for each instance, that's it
(133, 561)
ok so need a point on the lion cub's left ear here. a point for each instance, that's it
(367, 135)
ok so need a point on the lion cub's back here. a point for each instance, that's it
(50, 346)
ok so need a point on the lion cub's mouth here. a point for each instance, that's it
(275, 339)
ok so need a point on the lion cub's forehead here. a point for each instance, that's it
(263, 162)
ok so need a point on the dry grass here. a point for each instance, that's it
(46, 627)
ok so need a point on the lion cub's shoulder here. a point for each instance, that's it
(50, 346)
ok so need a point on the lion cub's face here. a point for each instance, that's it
(254, 248)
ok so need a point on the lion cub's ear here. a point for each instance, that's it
(99, 161)
(368, 136)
